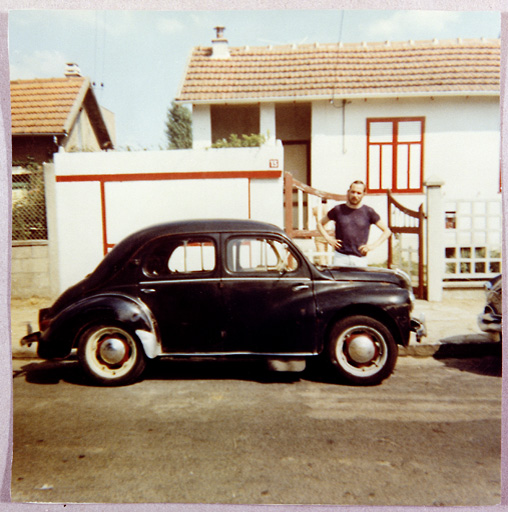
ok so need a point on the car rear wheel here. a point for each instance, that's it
(110, 355)
(362, 350)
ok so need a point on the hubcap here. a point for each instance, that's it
(361, 349)
(112, 350)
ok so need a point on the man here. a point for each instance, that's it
(352, 227)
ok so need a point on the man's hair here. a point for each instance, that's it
(359, 182)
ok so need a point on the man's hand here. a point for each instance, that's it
(364, 249)
(337, 244)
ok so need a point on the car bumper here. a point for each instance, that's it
(418, 326)
(33, 337)
(490, 322)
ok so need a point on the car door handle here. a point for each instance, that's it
(148, 290)
(300, 287)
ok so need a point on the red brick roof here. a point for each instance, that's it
(46, 106)
(343, 70)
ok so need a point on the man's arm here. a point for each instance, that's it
(385, 235)
(321, 223)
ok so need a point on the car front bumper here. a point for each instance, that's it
(490, 322)
(418, 326)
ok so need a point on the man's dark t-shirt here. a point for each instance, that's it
(352, 226)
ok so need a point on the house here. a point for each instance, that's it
(392, 114)
(48, 116)
(52, 113)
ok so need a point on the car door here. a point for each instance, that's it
(181, 285)
(268, 293)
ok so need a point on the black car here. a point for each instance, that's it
(491, 319)
(226, 288)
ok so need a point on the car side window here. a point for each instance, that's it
(173, 257)
(260, 255)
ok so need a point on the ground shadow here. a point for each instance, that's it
(488, 365)
(69, 370)
(52, 372)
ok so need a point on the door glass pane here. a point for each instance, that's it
(386, 167)
(410, 131)
(381, 131)
(402, 166)
(192, 256)
(173, 257)
(260, 255)
(374, 167)
(415, 176)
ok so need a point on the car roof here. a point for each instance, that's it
(204, 226)
(124, 249)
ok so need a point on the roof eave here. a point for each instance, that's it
(338, 96)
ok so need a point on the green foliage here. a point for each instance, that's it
(245, 141)
(179, 127)
(29, 212)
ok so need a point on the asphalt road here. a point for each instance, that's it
(223, 433)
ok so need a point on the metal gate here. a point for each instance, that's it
(404, 252)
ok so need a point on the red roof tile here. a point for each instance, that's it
(305, 71)
(45, 106)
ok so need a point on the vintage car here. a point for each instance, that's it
(491, 319)
(227, 288)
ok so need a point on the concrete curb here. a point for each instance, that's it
(457, 347)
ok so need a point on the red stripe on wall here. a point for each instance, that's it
(111, 178)
(215, 175)
(104, 225)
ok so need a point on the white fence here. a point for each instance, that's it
(472, 238)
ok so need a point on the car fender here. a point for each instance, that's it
(66, 327)
(387, 303)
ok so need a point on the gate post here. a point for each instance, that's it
(435, 238)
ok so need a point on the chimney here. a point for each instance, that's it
(72, 69)
(220, 48)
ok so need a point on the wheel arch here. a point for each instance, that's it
(366, 310)
(117, 308)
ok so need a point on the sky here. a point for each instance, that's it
(137, 58)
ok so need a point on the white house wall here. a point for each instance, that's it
(461, 142)
(102, 197)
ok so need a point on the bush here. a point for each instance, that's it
(244, 141)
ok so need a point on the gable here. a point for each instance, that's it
(322, 71)
(50, 106)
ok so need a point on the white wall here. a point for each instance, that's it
(145, 188)
(461, 142)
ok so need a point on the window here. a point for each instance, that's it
(170, 257)
(395, 154)
(260, 255)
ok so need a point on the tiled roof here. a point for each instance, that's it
(343, 70)
(46, 106)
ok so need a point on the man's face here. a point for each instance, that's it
(355, 194)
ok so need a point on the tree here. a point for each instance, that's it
(179, 127)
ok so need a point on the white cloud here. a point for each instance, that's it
(39, 64)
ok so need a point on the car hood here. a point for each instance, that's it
(371, 275)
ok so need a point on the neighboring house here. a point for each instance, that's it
(392, 114)
(47, 116)
(52, 113)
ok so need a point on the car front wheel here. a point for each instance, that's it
(110, 355)
(362, 350)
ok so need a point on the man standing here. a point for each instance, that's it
(352, 227)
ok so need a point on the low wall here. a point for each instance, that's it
(30, 270)
(96, 199)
